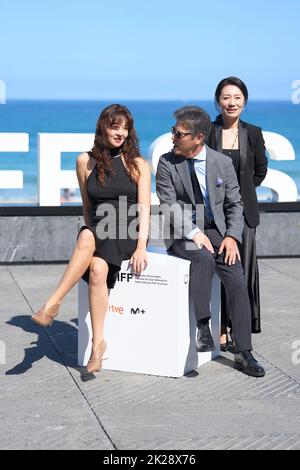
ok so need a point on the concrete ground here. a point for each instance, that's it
(47, 402)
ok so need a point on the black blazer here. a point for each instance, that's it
(253, 163)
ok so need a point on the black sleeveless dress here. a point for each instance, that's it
(113, 217)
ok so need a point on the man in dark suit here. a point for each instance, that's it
(199, 195)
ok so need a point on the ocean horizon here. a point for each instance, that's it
(152, 119)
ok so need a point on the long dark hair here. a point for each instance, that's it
(130, 149)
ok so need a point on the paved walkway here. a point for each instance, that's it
(47, 402)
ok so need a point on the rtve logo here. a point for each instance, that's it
(124, 276)
(115, 309)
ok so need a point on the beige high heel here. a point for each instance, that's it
(45, 316)
(224, 342)
(95, 361)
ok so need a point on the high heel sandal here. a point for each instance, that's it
(224, 344)
(95, 361)
(45, 316)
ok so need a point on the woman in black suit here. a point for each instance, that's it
(244, 143)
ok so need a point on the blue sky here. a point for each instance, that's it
(161, 49)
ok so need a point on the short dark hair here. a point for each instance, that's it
(195, 118)
(231, 81)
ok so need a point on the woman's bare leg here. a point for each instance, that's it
(98, 298)
(78, 264)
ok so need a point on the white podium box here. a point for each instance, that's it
(150, 325)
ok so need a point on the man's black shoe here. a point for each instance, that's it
(205, 341)
(245, 362)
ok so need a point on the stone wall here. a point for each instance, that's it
(52, 238)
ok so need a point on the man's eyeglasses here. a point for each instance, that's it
(179, 134)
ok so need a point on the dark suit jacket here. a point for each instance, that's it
(253, 163)
(175, 191)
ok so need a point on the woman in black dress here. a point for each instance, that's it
(244, 143)
(114, 182)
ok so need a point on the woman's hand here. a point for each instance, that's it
(139, 260)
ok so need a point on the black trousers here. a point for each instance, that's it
(250, 267)
(203, 266)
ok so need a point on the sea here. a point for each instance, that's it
(152, 119)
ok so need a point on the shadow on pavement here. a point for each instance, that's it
(58, 343)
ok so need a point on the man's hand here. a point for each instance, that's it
(231, 250)
(200, 239)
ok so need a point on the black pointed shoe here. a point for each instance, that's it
(245, 362)
(205, 341)
(224, 347)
